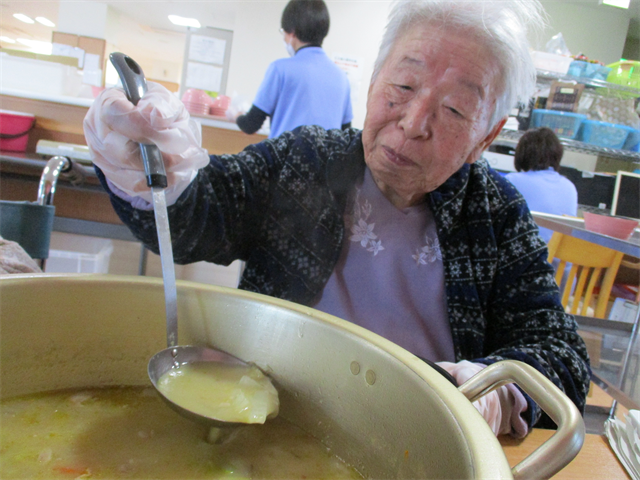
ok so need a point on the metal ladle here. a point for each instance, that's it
(174, 356)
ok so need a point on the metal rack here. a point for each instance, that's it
(546, 77)
(510, 138)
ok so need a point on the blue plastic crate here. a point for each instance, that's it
(603, 134)
(633, 141)
(564, 124)
(583, 69)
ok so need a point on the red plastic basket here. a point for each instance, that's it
(14, 130)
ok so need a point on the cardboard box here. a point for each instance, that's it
(90, 52)
(564, 96)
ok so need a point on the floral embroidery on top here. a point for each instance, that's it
(361, 230)
(429, 253)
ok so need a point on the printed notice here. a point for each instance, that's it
(92, 73)
(207, 49)
(204, 77)
(68, 51)
(352, 66)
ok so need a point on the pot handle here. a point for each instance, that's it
(553, 455)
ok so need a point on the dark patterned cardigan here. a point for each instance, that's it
(279, 205)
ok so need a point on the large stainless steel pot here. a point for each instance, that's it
(377, 406)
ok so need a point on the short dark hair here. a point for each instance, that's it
(538, 149)
(307, 19)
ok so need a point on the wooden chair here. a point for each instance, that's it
(592, 265)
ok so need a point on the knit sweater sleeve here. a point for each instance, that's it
(260, 202)
(527, 319)
(215, 218)
(502, 298)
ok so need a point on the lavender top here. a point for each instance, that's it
(390, 276)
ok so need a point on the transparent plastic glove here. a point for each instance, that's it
(501, 408)
(113, 127)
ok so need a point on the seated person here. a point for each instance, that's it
(397, 228)
(537, 161)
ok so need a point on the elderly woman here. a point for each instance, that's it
(397, 227)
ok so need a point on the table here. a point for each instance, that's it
(595, 459)
(575, 227)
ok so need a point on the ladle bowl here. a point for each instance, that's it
(173, 357)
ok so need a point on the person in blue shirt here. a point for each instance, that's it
(537, 161)
(306, 89)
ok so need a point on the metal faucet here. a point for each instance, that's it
(57, 166)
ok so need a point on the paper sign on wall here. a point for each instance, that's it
(68, 51)
(203, 76)
(352, 66)
(207, 49)
(92, 73)
(206, 60)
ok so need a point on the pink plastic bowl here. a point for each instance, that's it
(196, 96)
(613, 226)
(221, 102)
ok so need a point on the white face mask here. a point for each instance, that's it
(289, 48)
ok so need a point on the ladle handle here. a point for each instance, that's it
(553, 455)
(135, 86)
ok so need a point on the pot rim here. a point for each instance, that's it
(485, 452)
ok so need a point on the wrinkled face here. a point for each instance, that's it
(428, 111)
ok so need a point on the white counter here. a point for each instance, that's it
(219, 122)
(208, 121)
(45, 97)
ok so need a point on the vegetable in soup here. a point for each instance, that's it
(230, 393)
(129, 432)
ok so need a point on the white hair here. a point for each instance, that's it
(500, 24)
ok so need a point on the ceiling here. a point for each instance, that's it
(143, 26)
(146, 24)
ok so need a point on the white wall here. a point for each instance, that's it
(598, 31)
(356, 30)
(256, 43)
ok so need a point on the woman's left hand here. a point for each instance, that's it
(500, 408)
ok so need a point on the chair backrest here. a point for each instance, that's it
(27, 224)
(592, 265)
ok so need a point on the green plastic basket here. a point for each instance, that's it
(626, 73)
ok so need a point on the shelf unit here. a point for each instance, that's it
(510, 137)
(546, 77)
